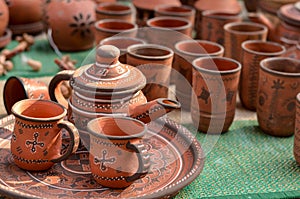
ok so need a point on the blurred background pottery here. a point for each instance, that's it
(71, 23)
(25, 16)
(5, 33)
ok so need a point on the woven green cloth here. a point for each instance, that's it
(41, 51)
(246, 163)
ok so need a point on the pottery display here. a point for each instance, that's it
(276, 95)
(254, 51)
(296, 148)
(36, 141)
(71, 23)
(31, 21)
(105, 28)
(115, 11)
(215, 83)
(119, 141)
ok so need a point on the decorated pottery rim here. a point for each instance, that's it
(221, 14)
(125, 9)
(17, 110)
(116, 119)
(237, 64)
(220, 51)
(131, 50)
(286, 61)
(270, 44)
(261, 28)
(120, 38)
(5, 38)
(97, 24)
(183, 10)
(187, 22)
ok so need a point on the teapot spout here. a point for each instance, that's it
(153, 109)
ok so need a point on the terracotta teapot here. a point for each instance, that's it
(287, 28)
(107, 87)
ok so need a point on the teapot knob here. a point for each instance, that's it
(107, 55)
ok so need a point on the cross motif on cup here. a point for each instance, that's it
(104, 160)
(34, 143)
(204, 95)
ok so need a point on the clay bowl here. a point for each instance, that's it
(109, 27)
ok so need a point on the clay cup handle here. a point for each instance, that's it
(74, 140)
(143, 158)
(54, 86)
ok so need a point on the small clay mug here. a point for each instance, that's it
(114, 10)
(237, 32)
(296, 148)
(122, 43)
(109, 27)
(254, 51)
(215, 83)
(212, 24)
(36, 142)
(155, 62)
(117, 155)
(278, 86)
(19, 88)
(185, 53)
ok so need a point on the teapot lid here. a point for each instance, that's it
(107, 76)
(290, 13)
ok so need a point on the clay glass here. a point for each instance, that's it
(254, 51)
(36, 141)
(117, 155)
(278, 86)
(114, 10)
(215, 83)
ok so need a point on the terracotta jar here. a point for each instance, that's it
(25, 16)
(71, 23)
(5, 33)
(107, 87)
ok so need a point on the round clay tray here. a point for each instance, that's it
(176, 160)
(6, 38)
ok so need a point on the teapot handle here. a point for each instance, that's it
(54, 86)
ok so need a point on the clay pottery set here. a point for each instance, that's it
(254, 51)
(71, 23)
(215, 83)
(185, 52)
(118, 140)
(276, 96)
(19, 88)
(25, 16)
(115, 11)
(109, 27)
(238, 32)
(296, 148)
(5, 33)
(107, 87)
(213, 22)
(36, 141)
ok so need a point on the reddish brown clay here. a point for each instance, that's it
(296, 148)
(212, 24)
(5, 39)
(117, 140)
(71, 22)
(4, 16)
(37, 139)
(19, 88)
(215, 83)
(185, 52)
(109, 27)
(279, 83)
(115, 11)
(254, 51)
(237, 32)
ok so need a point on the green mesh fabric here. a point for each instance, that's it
(246, 163)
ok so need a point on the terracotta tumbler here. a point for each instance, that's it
(109, 27)
(19, 88)
(215, 83)
(279, 83)
(185, 52)
(212, 24)
(155, 62)
(114, 10)
(237, 32)
(296, 148)
(254, 51)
